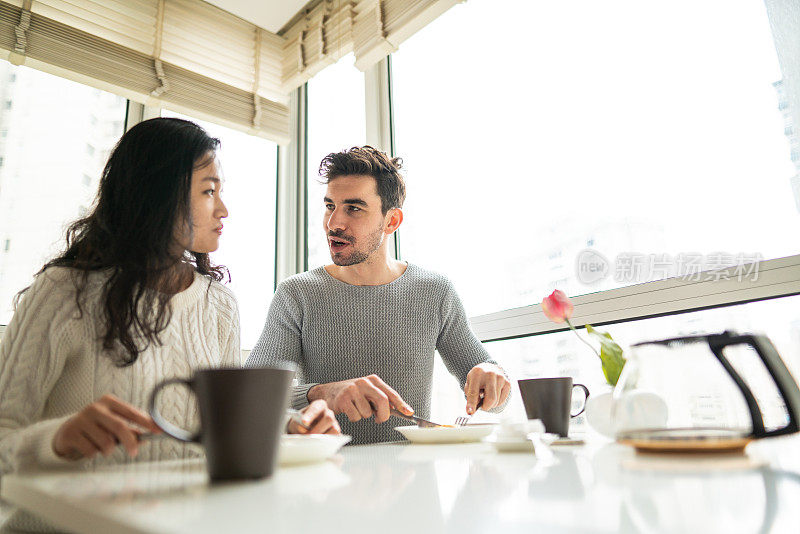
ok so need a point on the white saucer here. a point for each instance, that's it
(520, 444)
(510, 444)
(444, 434)
(296, 449)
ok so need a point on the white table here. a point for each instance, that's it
(414, 489)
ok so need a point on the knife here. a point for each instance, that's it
(422, 423)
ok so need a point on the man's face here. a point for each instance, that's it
(353, 222)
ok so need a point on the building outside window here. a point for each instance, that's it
(44, 160)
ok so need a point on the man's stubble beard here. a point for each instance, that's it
(360, 256)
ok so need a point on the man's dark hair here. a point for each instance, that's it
(368, 161)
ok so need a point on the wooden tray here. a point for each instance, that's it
(686, 440)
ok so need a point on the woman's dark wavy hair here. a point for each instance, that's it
(144, 197)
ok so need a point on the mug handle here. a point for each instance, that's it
(168, 428)
(586, 393)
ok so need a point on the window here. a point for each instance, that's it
(247, 247)
(588, 125)
(44, 158)
(336, 121)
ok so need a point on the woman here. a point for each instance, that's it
(132, 301)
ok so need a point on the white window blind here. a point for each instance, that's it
(194, 58)
(372, 29)
(316, 40)
(381, 25)
(184, 55)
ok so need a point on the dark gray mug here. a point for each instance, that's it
(549, 399)
(242, 415)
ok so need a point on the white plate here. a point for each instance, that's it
(296, 449)
(443, 434)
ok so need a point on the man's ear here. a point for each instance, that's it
(395, 218)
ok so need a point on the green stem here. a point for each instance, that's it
(581, 338)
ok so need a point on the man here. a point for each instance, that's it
(363, 331)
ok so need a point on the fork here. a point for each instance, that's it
(464, 419)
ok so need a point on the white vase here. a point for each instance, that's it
(637, 409)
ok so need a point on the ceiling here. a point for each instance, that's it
(269, 14)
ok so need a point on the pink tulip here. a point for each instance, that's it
(557, 307)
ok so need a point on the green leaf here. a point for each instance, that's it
(610, 355)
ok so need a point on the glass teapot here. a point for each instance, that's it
(704, 393)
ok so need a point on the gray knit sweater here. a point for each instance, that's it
(335, 331)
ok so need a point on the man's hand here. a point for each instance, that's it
(488, 379)
(318, 418)
(100, 427)
(361, 398)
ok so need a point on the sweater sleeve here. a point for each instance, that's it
(281, 342)
(231, 336)
(457, 344)
(30, 364)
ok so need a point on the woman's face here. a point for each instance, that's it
(207, 207)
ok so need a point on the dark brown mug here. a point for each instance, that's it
(242, 415)
(549, 399)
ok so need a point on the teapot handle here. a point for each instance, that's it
(778, 372)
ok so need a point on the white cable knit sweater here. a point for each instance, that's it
(52, 365)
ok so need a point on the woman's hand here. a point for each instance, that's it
(100, 427)
(318, 418)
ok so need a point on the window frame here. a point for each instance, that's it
(291, 217)
(776, 278)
